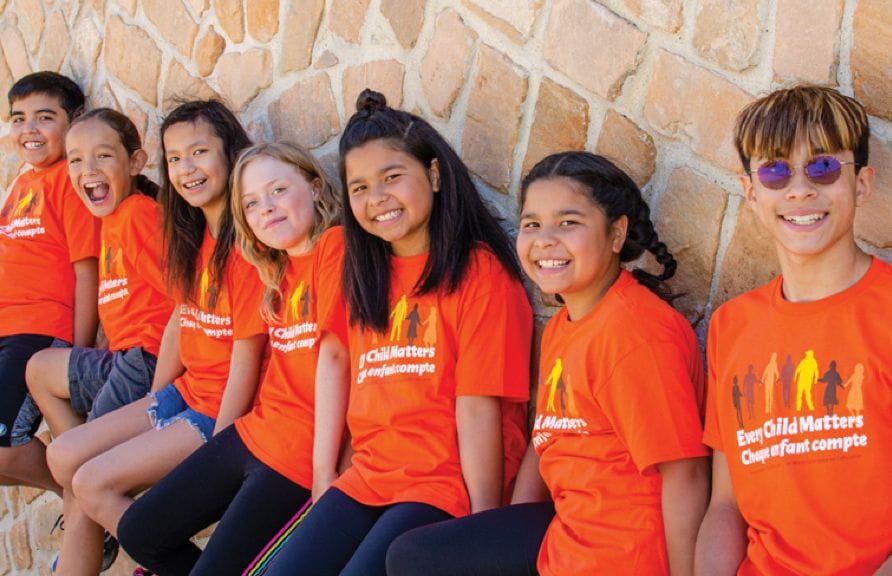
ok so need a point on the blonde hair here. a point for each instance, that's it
(271, 263)
(822, 117)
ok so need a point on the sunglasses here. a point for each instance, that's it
(821, 170)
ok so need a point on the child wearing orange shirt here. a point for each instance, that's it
(105, 156)
(617, 433)
(799, 488)
(49, 243)
(436, 305)
(253, 475)
(212, 348)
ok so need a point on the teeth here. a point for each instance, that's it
(91, 185)
(804, 220)
(388, 216)
(194, 183)
(33, 145)
(552, 263)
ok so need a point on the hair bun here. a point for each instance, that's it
(369, 101)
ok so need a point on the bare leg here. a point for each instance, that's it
(26, 465)
(47, 377)
(81, 553)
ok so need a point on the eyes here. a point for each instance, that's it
(44, 118)
(173, 158)
(533, 224)
(252, 202)
(74, 160)
(388, 178)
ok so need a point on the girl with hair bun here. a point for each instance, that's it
(436, 415)
(615, 480)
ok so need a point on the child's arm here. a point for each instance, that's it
(244, 375)
(529, 486)
(721, 543)
(685, 496)
(886, 568)
(332, 390)
(86, 292)
(169, 367)
(479, 425)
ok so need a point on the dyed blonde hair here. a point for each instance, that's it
(819, 116)
(270, 262)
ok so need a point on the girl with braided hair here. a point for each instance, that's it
(616, 481)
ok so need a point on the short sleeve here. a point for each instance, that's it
(650, 399)
(711, 434)
(80, 226)
(331, 309)
(246, 293)
(494, 336)
(148, 245)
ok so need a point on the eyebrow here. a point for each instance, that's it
(388, 168)
(41, 111)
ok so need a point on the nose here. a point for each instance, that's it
(545, 237)
(800, 187)
(266, 204)
(377, 194)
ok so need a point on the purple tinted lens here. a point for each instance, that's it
(775, 174)
(823, 170)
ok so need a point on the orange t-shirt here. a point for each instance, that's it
(800, 402)
(44, 228)
(209, 325)
(620, 391)
(279, 430)
(473, 342)
(133, 303)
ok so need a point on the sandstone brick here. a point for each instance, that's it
(128, 5)
(302, 23)
(493, 120)
(20, 542)
(872, 56)
(132, 57)
(628, 146)
(242, 76)
(231, 17)
(102, 95)
(326, 60)
(43, 518)
(306, 112)
(15, 504)
(560, 123)
(346, 18)
(665, 14)
(30, 494)
(687, 102)
(263, 19)
(750, 259)
(872, 221)
(385, 76)
(514, 18)
(199, 6)
(3, 507)
(405, 17)
(13, 46)
(85, 47)
(575, 41)
(727, 32)
(444, 66)
(31, 18)
(689, 221)
(6, 82)
(55, 45)
(139, 118)
(208, 51)
(806, 48)
(180, 86)
(172, 19)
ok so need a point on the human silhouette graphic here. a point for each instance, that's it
(398, 316)
(806, 375)
(749, 388)
(736, 395)
(294, 302)
(305, 305)
(833, 381)
(770, 378)
(787, 379)
(553, 377)
(854, 396)
(413, 318)
(571, 399)
(430, 328)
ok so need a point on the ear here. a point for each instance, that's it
(434, 174)
(316, 185)
(138, 161)
(864, 185)
(617, 234)
(746, 182)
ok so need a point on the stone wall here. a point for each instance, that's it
(653, 84)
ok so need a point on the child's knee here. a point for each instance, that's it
(63, 460)
(89, 480)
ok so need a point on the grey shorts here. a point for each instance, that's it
(169, 407)
(100, 381)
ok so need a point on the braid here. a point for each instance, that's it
(145, 185)
(643, 236)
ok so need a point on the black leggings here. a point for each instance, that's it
(220, 481)
(500, 542)
(342, 537)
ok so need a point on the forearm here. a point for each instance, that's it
(332, 389)
(169, 367)
(721, 541)
(529, 486)
(685, 495)
(86, 314)
(244, 376)
(479, 424)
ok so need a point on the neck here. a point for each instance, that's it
(809, 278)
(579, 305)
(213, 215)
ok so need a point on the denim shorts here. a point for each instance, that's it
(19, 416)
(170, 407)
(100, 381)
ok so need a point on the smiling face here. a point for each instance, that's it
(99, 166)
(806, 219)
(567, 246)
(278, 202)
(38, 128)
(197, 166)
(392, 195)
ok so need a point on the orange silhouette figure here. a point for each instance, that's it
(25, 204)
(770, 378)
(430, 328)
(571, 400)
(118, 261)
(855, 396)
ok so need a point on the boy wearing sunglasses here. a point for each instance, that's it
(799, 488)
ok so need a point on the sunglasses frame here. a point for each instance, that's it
(796, 168)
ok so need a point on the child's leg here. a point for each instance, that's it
(327, 538)
(501, 541)
(47, 376)
(265, 501)
(369, 558)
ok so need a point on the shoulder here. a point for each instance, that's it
(485, 268)
(331, 243)
(742, 308)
